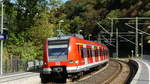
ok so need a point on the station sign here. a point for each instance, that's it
(3, 36)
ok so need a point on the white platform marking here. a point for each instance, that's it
(148, 70)
(137, 76)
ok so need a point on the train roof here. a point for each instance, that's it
(88, 42)
(65, 37)
(76, 36)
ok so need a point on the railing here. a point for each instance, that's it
(21, 66)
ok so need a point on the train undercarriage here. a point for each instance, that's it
(60, 75)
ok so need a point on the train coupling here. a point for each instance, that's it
(59, 69)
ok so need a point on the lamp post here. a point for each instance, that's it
(132, 51)
(136, 39)
(117, 50)
(141, 45)
(1, 50)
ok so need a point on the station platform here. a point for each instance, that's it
(21, 78)
(143, 74)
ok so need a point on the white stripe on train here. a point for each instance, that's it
(84, 67)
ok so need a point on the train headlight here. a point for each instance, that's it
(71, 62)
(45, 63)
(77, 62)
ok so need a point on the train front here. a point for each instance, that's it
(55, 57)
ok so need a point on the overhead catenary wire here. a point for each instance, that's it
(138, 29)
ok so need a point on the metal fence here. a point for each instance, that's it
(21, 66)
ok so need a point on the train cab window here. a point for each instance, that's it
(58, 50)
(57, 53)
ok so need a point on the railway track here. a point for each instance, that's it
(113, 73)
(116, 72)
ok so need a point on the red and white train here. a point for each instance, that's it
(70, 55)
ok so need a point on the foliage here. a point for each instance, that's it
(41, 30)
(25, 52)
(30, 22)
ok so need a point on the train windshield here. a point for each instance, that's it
(58, 50)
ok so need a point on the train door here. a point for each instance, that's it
(101, 53)
(104, 54)
(85, 54)
(81, 54)
(96, 54)
(89, 54)
(107, 54)
(93, 54)
(99, 59)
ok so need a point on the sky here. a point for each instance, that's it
(65, 0)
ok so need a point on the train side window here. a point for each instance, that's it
(102, 52)
(90, 52)
(107, 52)
(95, 52)
(80, 50)
(99, 53)
(87, 52)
